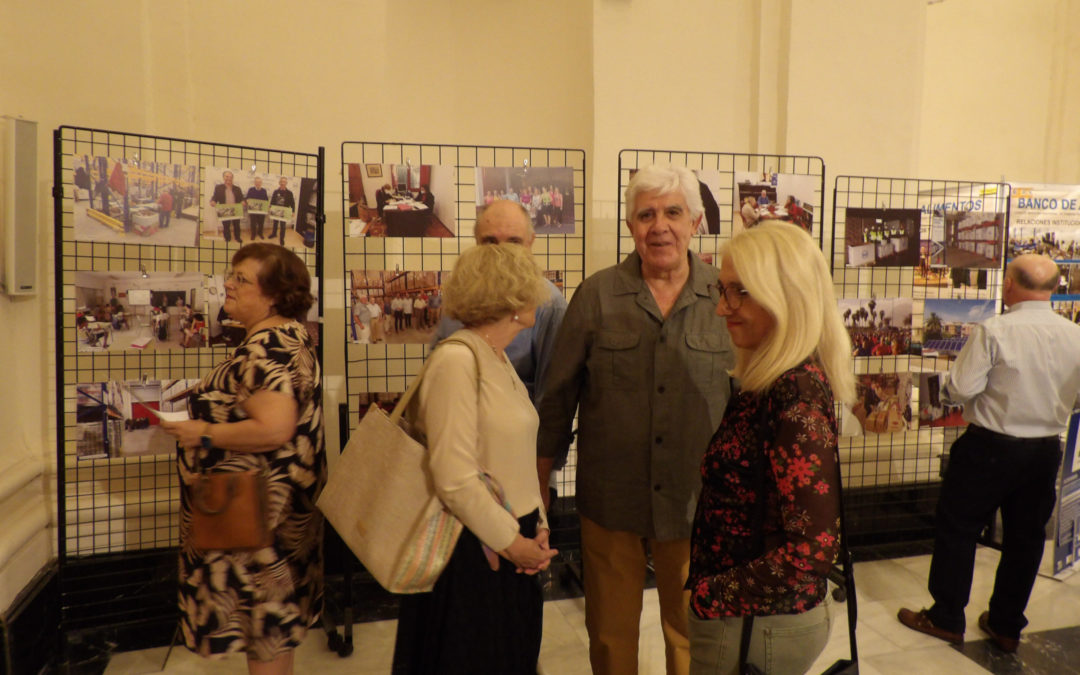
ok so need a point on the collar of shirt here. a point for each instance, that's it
(629, 281)
(1029, 305)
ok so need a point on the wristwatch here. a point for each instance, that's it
(207, 443)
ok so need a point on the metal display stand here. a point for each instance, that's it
(722, 169)
(117, 516)
(892, 480)
(386, 367)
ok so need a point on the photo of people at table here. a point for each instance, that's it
(547, 193)
(1062, 243)
(933, 411)
(393, 307)
(947, 323)
(147, 311)
(401, 200)
(973, 239)
(134, 202)
(878, 326)
(882, 237)
(761, 196)
(244, 206)
(882, 406)
(122, 419)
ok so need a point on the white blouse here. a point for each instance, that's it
(469, 433)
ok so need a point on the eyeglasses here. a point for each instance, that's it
(732, 295)
(237, 278)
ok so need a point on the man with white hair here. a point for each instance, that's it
(643, 358)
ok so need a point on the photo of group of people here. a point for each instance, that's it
(878, 327)
(1060, 243)
(122, 418)
(151, 311)
(547, 193)
(882, 237)
(394, 307)
(246, 206)
(401, 200)
(761, 196)
(957, 248)
(158, 311)
(933, 411)
(128, 201)
(119, 200)
(883, 405)
(947, 323)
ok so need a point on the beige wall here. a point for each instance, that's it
(960, 88)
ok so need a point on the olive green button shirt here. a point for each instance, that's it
(651, 391)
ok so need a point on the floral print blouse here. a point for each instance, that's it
(782, 443)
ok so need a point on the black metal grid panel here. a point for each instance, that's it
(386, 367)
(117, 505)
(895, 476)
(726, 165)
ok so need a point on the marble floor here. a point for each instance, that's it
(1050, 645)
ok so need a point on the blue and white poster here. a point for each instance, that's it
(1046, 219)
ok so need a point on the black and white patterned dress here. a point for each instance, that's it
(259, 602)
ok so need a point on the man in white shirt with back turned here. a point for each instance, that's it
(1018, 378)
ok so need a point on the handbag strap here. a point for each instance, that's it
(414, 386)
(744, 643)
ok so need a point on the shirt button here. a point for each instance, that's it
(660, 389)
(656, 487)
(659, 440)
(662, 338)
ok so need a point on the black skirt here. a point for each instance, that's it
(474, 620)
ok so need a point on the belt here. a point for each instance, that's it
(1006, 438)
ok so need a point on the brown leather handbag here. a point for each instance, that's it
(228, 511)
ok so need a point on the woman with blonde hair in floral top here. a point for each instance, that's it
(767, 525)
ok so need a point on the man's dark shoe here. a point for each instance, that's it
(1005, 644)
(921, 622)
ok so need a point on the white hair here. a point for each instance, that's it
(665, 180)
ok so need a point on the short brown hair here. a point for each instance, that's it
(283, 278)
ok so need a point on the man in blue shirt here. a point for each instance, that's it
(530, 352)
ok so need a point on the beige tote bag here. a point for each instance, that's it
(381, 499)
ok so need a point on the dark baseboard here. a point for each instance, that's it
(29, 630)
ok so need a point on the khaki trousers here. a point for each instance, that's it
(614, 568)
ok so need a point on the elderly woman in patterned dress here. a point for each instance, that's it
(260, 408)
(766, 530)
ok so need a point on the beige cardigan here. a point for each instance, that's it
(466, 434)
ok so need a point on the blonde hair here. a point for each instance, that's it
(785, 272)
(493, 281)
